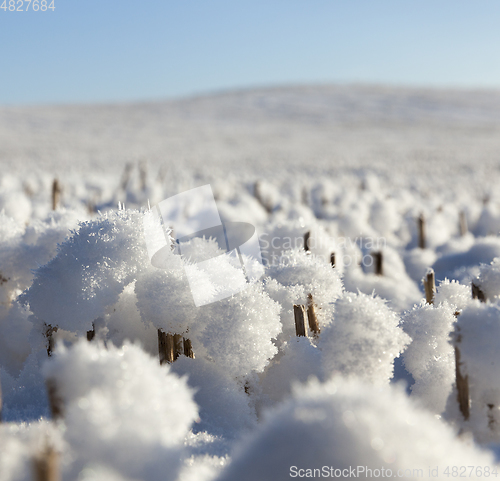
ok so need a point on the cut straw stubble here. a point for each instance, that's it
(171, 346)
(311, 316)
(257, 192)
(299, 311)
(55, 400)
(49, 334)
(430, 286)
(477, 292)
(463, 227)
(46, 464)
(307, 237)
(421, 231)
(378, 261)
(462, 383)
(91, 334)
(56, 194)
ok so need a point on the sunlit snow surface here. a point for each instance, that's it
(349, 167)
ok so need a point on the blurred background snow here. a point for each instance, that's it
(405, 131)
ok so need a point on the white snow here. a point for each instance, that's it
(351, 169)
(343, 425)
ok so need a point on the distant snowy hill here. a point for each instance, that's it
(386, 129)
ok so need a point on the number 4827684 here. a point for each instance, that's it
(25, 5)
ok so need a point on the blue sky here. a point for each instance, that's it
(110, 50)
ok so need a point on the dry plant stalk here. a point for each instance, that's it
(188, 348)
(126, 176)
(462, 383)
(46, 465)
(307, 237)
(92, 204)
(178, 346)
(299, 312)
(143, 174)
(55, 400)
(491, 417)
(477, 292)
(421, 231)
(464, 228)
(165, 347)
(305, 196)
(257, 192)
(49, 334)
(378, 260)
(56, 194)
(91, 334)
(311, 316)
(90, 207)
(430, 286)
(332, 259)
(171, 346)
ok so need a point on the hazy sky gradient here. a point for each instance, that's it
(94, 51)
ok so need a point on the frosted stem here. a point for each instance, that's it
(477, 293)
(421, 231)
(188, 348)
(46, 465)
(299, 311)
(143, 174)
(91, 334)
(178, 346)
(311, 316)
(258, 195)
(430, 286)
(307, 237)
(463, 223)
(165, 347)
(56, 194)
(49, 334)
(171, 346)
(378, 260)
(491, 417)
(55, 401)
(462, 385)
(305, 196)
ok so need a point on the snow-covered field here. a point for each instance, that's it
(390, 383)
